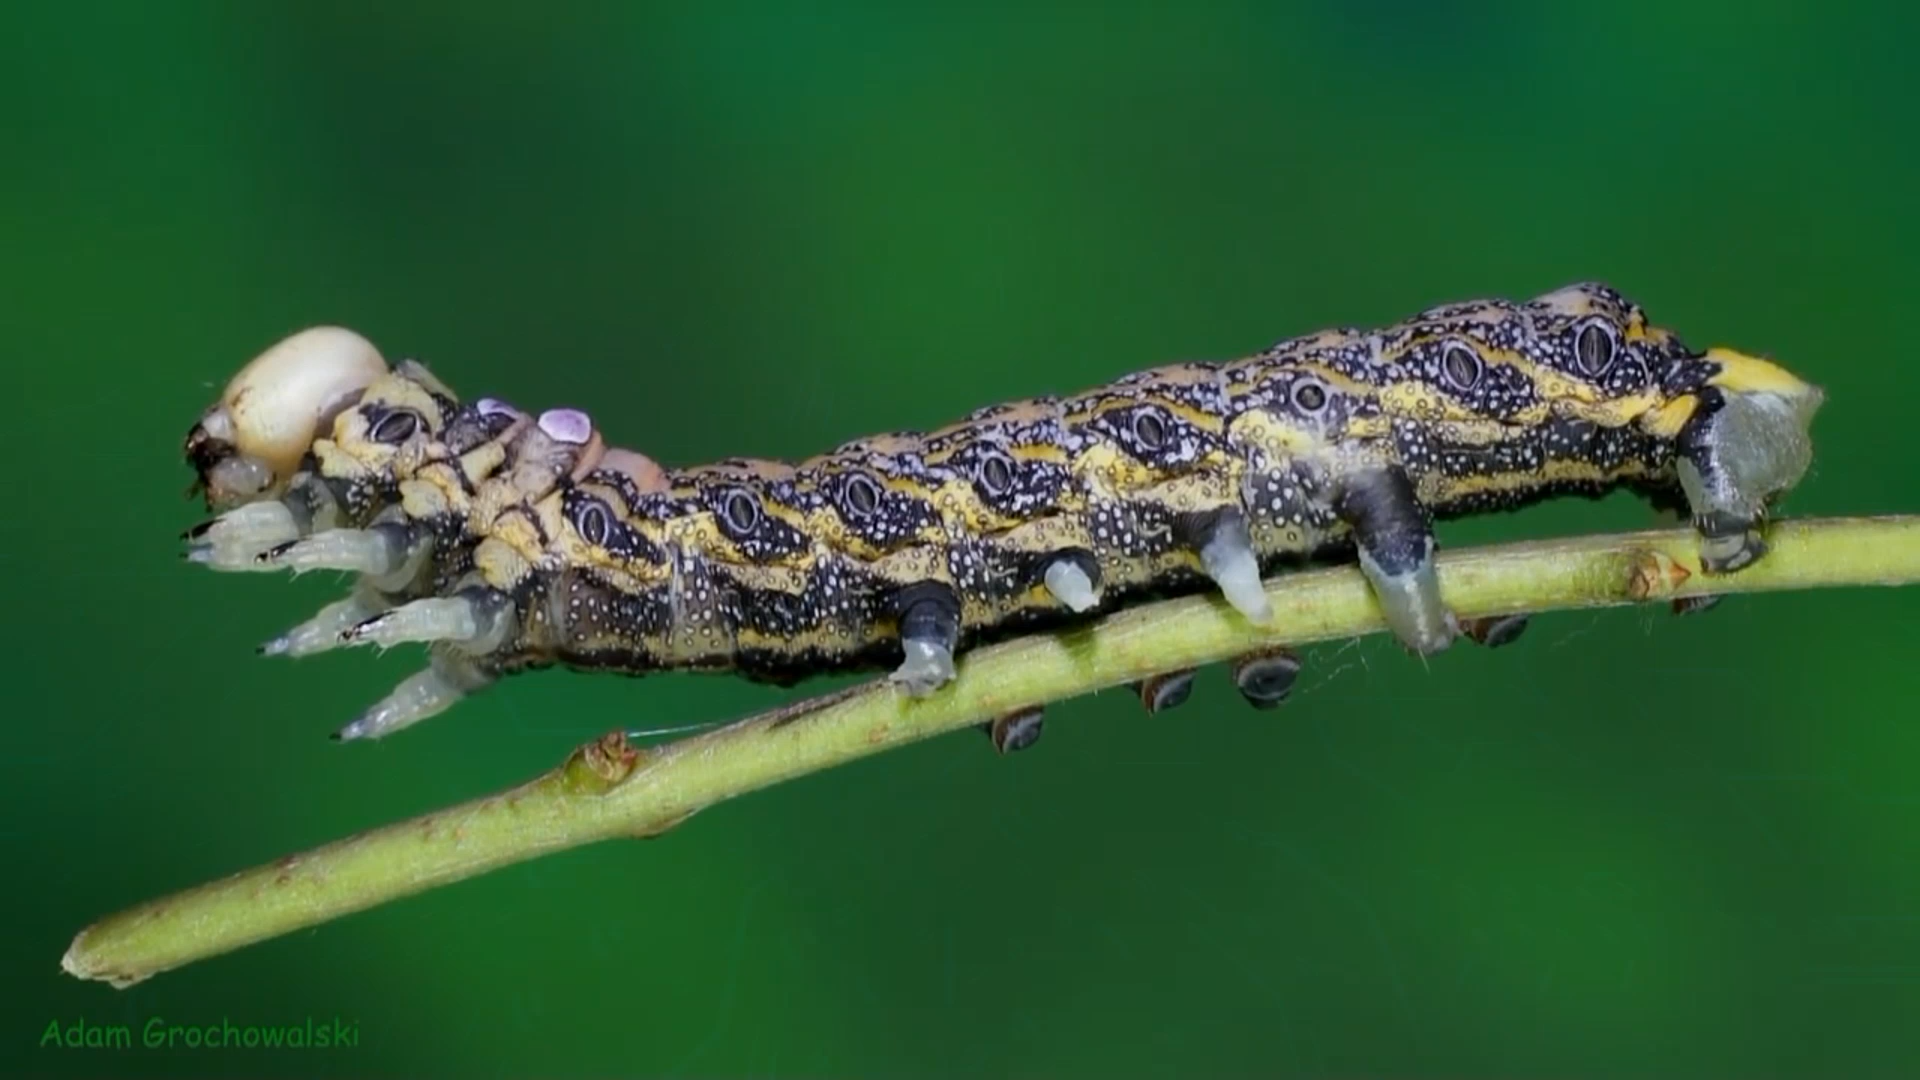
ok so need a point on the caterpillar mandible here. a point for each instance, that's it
(508, 541)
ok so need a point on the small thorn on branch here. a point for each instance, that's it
(1654, 574)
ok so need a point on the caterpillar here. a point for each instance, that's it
(509, 541)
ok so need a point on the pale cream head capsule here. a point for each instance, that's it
(247, 445)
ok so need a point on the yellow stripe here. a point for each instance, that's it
(1745, 374)
(1666, 421)
(1453, 487)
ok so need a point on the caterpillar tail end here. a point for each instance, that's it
(1736, 461)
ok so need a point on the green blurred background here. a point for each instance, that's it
(1630, 843)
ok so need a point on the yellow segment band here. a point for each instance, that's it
(1743, 374)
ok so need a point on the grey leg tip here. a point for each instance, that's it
(1730, 554)
(1494, 631)
(1694, 605)
(927, 668)
(1017, 730)
(1168, 690)
(1266, 678)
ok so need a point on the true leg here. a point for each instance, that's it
(426, 694)
(322, 632)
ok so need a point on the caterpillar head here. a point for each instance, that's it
(248, 445)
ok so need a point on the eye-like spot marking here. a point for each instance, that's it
(860, 496)
(1149, 433)
(593, 521)
(1309, 396)
(740, 510)
(1150, 429)
(1593, 348)
(994, 472)
(1462, 367)
(396, 427)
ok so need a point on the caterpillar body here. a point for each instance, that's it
(509, 541)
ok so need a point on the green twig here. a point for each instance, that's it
(610, 789)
